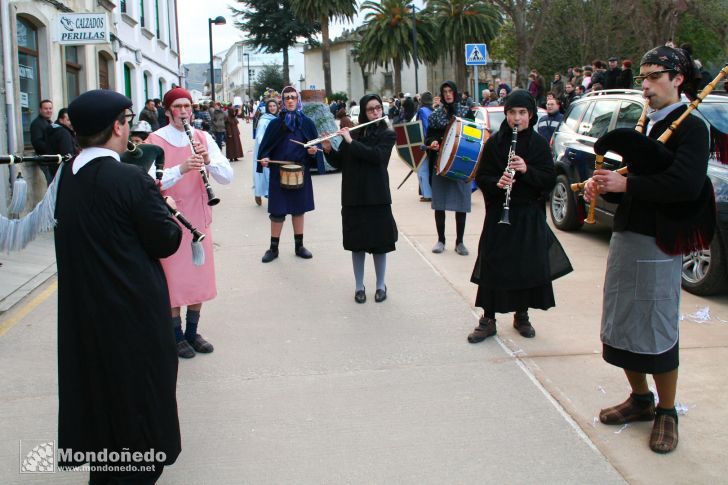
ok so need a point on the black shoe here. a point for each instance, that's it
(304, 253)
(201, 345)
(380, 295)
(269, 256)
(524, 327)
(360, 296)
(486, 328)
(185, 350)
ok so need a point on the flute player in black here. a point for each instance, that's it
(366, 203)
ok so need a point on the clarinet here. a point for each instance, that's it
(136, 152)
(211, 199)
(505, 215)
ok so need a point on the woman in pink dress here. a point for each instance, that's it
(189, 285)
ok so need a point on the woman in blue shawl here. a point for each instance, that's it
(278, 144)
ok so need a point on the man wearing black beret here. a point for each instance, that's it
(117, 360)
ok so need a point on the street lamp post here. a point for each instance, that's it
(248, 56)
(414, 43)
(219, 20)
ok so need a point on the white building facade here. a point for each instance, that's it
(147, 44)
(241, 65)
(135, 57)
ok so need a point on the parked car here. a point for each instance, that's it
(588, 118)
(492, 116)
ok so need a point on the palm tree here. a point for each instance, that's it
(461, 22)
(322, 11)
(387, 36)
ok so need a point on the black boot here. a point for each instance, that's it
(523, 325)
(486, 328)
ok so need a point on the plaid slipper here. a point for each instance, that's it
(630, 410)
(664, 432)
(184, 350)
(201, 345)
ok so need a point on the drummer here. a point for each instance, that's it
(279, 144)
(447, 194)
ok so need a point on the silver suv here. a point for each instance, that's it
(572, 146)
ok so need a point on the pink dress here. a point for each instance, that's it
(188, 284)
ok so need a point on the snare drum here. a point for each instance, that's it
(460, 151)
(291, 176)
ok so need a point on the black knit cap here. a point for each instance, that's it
(94, 111)
(520, 98)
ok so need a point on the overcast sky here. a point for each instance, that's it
(193, 33)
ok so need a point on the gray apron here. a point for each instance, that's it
(640, 312)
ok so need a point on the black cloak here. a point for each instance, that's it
(117, 358)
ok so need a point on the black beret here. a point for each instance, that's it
(96, 110)
(613, 59)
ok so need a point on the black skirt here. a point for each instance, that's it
(644, 363)
(504, 301)
(369, 228)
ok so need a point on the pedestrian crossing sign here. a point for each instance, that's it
(476, 55)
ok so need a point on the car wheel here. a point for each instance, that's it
(563, 206)
(703, 271)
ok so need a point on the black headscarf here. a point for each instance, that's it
(677, 60)
(450, 108)
(363, 116)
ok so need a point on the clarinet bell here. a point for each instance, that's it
(505, 216)
(213, 200)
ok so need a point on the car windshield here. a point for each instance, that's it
(496, 118)
(716, 114)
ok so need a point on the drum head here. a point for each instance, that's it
(449, 146)
(291, 168)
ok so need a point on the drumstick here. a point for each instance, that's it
(280, 162)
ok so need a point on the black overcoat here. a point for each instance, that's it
(117, 359)
(366, 214)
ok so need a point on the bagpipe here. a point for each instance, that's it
(16, 234)
(682, 227)
(146, 155)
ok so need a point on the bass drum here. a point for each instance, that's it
(461, 149)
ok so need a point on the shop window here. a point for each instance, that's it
(73, 74)
(127, 81)
(146, 86)
(103, 64)
(28, 74)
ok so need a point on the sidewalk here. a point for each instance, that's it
(21, 272)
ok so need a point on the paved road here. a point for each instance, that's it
(306, 386)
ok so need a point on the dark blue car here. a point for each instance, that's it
(588, 118)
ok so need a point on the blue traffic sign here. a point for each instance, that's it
(476, 55)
